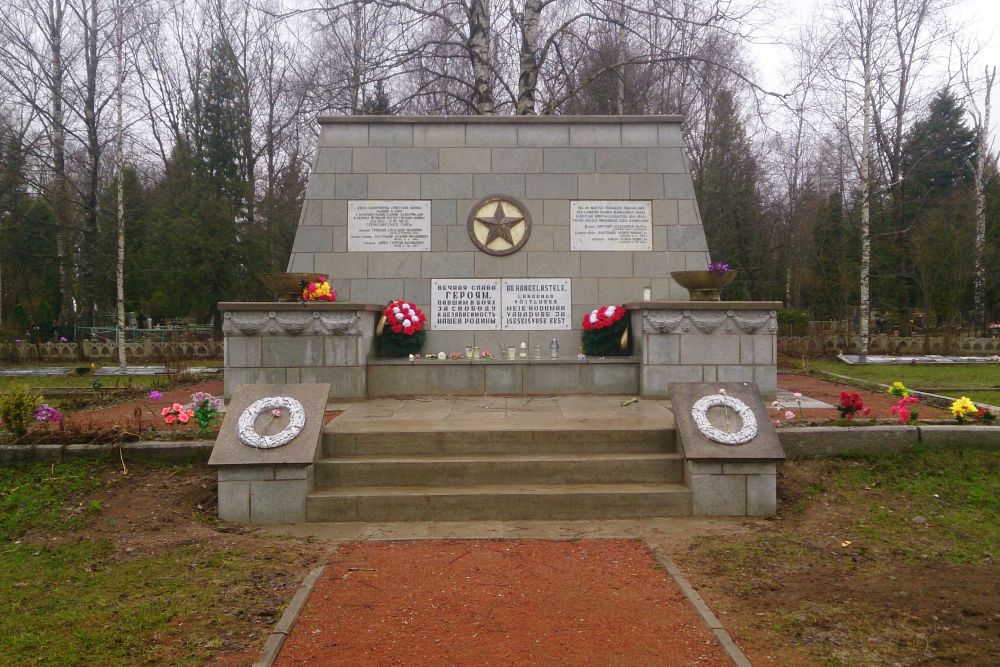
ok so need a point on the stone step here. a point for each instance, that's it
(630, 468)
(499, 502)
(461, 442)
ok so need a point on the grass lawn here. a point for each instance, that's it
(872, 560)
(85, 580)
(981, 381)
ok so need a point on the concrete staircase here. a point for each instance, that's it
(495, 474)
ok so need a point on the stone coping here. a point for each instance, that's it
(766, 446)
(506, 120)
(297, 306)
(384, 361)
(705, 305)
(229, 451)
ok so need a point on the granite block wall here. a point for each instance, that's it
(545, 162)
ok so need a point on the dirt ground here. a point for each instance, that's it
(801, 596)
(591, 602)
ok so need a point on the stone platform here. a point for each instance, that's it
(334, 343)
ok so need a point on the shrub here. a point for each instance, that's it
(793, 322)
(17, 408)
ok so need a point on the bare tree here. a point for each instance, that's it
(981, 126)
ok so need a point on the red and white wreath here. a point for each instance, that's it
(404, 318)
(603, 317)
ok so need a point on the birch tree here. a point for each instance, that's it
(976, 87)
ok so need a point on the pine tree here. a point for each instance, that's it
(939, 160)
(727, 188)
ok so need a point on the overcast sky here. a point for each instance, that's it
(980, 20)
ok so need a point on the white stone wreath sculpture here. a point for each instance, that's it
(699, 412)
(296, 420)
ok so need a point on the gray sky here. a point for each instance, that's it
(979, 21)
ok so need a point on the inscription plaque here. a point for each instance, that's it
(490, 304)
(465, 304)
(388, 226)
(536, 303)
(611, 225)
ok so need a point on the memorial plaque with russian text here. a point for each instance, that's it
(611, 225)
(464, 304)
(388, 226)
(536, 303)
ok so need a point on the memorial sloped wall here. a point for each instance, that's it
(596, 209)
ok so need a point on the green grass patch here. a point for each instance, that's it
(942, 504)
(915, 375)
(46, 496)
(68, 605)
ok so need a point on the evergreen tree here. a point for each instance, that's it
(938, 159)
(727, 188)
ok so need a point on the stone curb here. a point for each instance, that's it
(813, 441)
(711, 621)
(269, 653)
(151, 450)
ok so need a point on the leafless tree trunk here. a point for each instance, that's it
(120, 180)
(865, 22)
(479, 53)
(981, 120)
(530, 62)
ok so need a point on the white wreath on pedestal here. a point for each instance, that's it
(249, 436)
(699, 412)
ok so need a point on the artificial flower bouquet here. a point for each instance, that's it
(852, 405)
(318, 290)
(400, 330)
(605, 331)
(964, 410)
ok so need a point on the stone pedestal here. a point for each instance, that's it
(278, 343)
(712, 341)
(261, 486)
(727, 479)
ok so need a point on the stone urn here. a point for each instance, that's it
(287, 286)
(703, 285)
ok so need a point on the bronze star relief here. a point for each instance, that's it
(499, 226)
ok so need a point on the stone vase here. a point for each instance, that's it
(703, 285)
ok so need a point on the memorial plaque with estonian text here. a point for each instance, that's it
(463, 304)
(536, 303)
(611, 225)
(388, 226)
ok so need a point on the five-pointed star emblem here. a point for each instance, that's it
(499, 226)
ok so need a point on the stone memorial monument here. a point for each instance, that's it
(505, 231)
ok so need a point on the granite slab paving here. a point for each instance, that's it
(153, 370)
(786, 399)
(855, 359)
(40, 371)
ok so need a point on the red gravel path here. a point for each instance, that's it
(600, 602)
